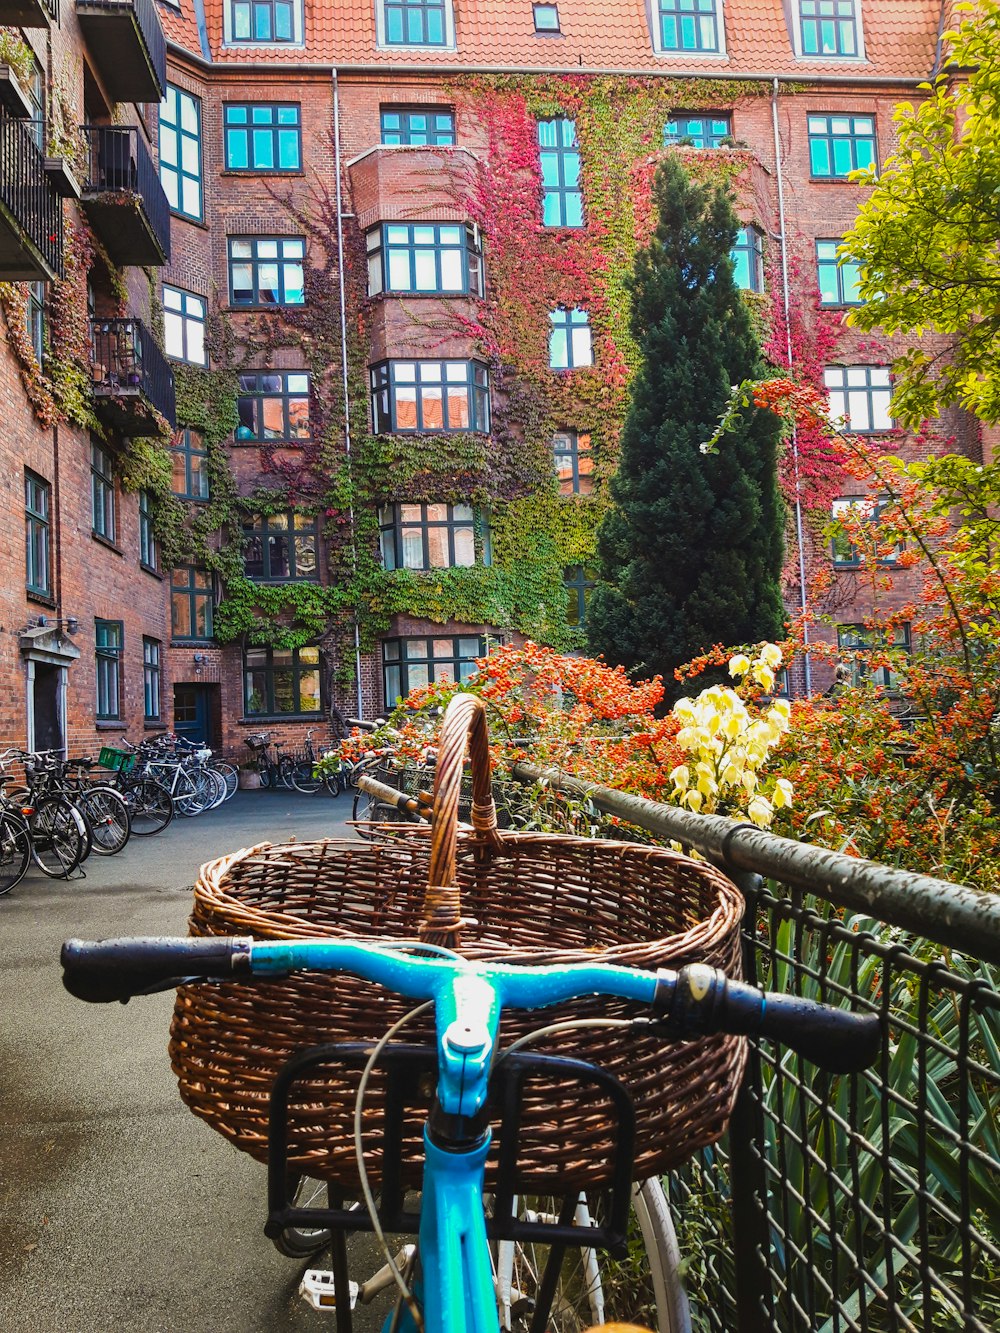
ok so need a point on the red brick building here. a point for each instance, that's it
(383, 260)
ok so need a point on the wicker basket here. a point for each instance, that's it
(527, 898)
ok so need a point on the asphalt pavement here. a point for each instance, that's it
(120, 1211)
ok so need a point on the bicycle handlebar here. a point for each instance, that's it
(696, 1001)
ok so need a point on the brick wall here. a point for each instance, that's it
(92, 580)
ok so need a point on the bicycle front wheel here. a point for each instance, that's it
(150, 807)
(592, 1287)
(15, 851)
(58, 837)
(304, 1242)
(106, 812)
(303, 778)
(230, 776)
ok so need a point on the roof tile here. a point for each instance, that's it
(613, 35)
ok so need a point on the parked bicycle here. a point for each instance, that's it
(275, 769)
(150, 805)
(477, 1268)
(183, 771)
(57, 832)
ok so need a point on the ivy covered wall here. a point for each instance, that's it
(536, 533)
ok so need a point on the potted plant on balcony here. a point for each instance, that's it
(63, 150)
(17, 66)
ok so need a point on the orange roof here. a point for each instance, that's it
(180, 26)
(900, 37)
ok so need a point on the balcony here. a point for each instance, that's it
(127, 47)
(31, 226)
(29, 13)
(131, 376)
(123, 197)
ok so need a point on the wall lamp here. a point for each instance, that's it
(70, 624)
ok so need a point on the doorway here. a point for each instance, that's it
(193, 713)
(47, 696)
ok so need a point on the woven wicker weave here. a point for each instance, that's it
(525, 898)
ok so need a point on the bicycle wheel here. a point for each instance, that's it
(286, 765)
(340, 780)
(106, 812)
(304, 1242)
(230, 775)
(218, 782)
(264, 769)
(58, 837)
(367, 811)
(303, 778)
(593, 1288)
(194, 792)
(15, 850)
(150, 807)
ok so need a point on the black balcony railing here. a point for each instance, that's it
(29, 13)
(28, 196)
(110, 44)
(118, 163)
(128, 365)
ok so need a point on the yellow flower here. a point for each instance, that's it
(763, 675)
(781, 710)
(739, 665)
(770, 654)
(680, 776)
(760, 812)
(684, 710)
(782, 793)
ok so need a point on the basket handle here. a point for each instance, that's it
(464, 726)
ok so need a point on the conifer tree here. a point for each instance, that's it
(690, 554)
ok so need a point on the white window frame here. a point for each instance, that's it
(837, 381)
(653, 15)
(449, 31)
(186, 322)
(820, 57)
(298, 30)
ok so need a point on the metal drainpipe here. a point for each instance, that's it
(788, 349)
(344, 371)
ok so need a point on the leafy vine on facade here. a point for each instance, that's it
(536, 533)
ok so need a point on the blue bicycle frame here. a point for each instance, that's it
(456, 1280)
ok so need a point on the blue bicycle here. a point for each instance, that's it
(469, 1272)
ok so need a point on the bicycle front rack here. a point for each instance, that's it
(407, 1069)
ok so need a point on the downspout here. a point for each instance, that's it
(788, 350)
(344, 373)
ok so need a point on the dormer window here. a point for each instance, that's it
(415, 23)
(829, 29)
(546, 18)
(691, 27)
(263, 22)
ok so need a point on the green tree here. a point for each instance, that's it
(927, 237)
(690, 555)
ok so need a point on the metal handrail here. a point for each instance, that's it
(128, 360)
(936, 909)
(27, 191)
(150, 29)
(118, 161)
(863, 1202)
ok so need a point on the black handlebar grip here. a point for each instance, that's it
(700, 1000)
(105, 970)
